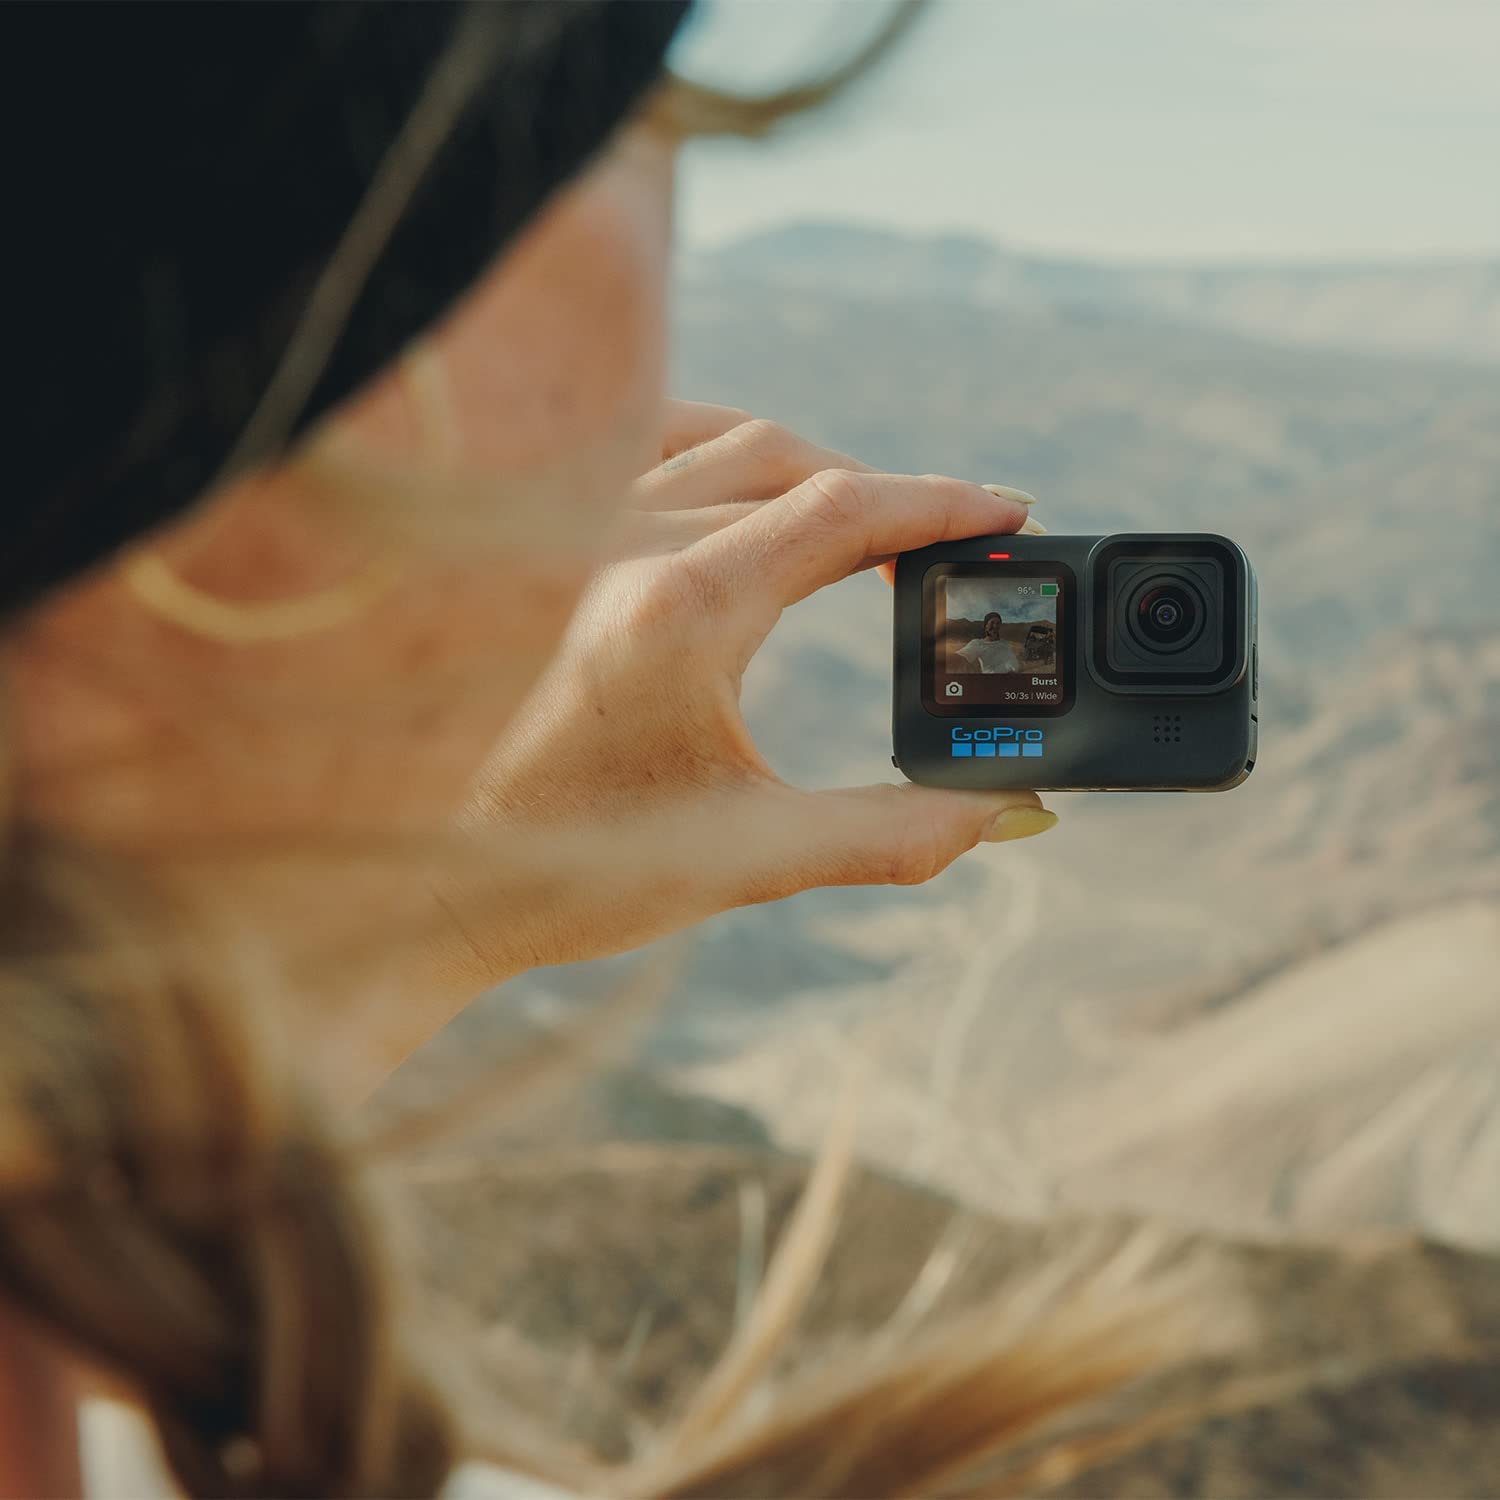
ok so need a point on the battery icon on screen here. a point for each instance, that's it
(1048, 590)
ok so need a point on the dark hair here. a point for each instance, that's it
(180, 176)
(994, 614)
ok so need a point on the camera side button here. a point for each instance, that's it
(1255, 673)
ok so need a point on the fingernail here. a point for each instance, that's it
(1033, 527)
(1020, 823)
(1005, 492)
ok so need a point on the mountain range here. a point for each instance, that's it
(1103, 967)
(1179, 1005)
(1445, 308)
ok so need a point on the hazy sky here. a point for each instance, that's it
(1126, 128)
(974, 598)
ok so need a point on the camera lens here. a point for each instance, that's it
(1168, 614)
(1165, 613)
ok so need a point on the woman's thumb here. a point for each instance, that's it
(900, 835)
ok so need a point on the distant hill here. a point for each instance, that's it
(1448, 308)
(1359, 1086)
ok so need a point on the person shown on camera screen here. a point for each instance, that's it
(991, 652)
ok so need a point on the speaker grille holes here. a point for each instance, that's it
(1166, 729)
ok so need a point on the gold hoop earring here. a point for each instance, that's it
(171, 598)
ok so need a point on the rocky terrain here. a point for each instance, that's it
(1368, 1367)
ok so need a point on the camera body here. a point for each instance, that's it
(1083, 663)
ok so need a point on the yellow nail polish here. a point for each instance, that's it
(1020, 823)
(1033, 527)
(1005, 492)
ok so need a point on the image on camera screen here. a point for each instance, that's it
(997, 641)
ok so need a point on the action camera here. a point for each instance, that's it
(1077, 663)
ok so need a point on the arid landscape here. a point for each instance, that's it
(1270, 1018)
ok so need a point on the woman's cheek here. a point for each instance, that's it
(558, 356)
(549, 375)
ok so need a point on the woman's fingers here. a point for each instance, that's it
(887, 570)
(756, 460)
(885, 835)
(842, 520)
(651, 533)
(685, 424)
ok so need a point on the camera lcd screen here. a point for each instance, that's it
(994, 638)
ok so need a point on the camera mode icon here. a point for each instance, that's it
(954, 690)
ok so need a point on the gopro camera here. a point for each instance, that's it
(1085, 663)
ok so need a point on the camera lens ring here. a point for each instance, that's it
(1166, 614)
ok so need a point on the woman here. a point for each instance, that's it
(991, 652)
(373, 632)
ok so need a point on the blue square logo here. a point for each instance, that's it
(1031, 747)
(985, 747)
(962, 747)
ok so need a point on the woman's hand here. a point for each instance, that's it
(628, 798)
